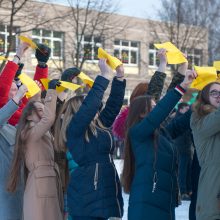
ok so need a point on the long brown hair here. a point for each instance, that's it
(139, 90)
(202, 106)
(19, 149)
(140, 106)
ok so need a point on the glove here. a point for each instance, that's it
(53, 83)
(18, 73)
(69, 74)
(43, 54)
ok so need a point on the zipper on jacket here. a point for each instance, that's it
(96, 176)
(116, 185)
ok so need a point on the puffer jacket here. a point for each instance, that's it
(94, 189)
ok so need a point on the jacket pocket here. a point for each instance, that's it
(46, 184)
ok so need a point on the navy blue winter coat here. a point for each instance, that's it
(94, 189)
(160, 204)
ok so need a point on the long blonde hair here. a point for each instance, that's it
(19, 150)
(65, 115)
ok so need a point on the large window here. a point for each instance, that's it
(127, 51)
(4, 39)
(153, 60)
(52, 39)
(89, 47)
(194, 56)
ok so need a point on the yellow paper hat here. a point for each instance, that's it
(113, 62)
(216, 64)
(28, 41)
(32, 86)
(64, 85)
(86, 79)
(174, 55)
(205, 76)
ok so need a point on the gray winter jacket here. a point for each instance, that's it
(11, 203)
(206, 135)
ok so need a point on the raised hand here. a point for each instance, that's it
(120, 72)
(189, 77)
(42, 53)
(104, 68)
(20, 51)
(20, 94)
(183, 66)
(54, 83)
(161, 54)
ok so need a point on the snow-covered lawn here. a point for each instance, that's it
(181, 211)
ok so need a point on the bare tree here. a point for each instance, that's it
(90, 24)
(187, 23)
(26, 14)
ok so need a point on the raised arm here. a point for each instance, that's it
(153, 120)
(156, 83)
(42, 55)
(8, 74)
(90, 105)
(178, 76)
(115, 100)
(49, 112)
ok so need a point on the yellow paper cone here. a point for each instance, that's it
(28, 41)
(32, 86)
(174, 55)
(3, 58)
(64, 85)
(216, 64)
(113, 62)
(86, 79)
(205, 76)
(45, 82)
(71, 86)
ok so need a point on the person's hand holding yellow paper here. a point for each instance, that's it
(86, 79)
(31, 85)
(63, 85)
(113, 62)
(206, 75)
(28, 41)
(174, 55)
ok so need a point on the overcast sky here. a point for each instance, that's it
(139, 8)
(136, 8)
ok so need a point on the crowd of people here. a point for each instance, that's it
(57, 152)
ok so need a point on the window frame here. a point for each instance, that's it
(120, 47)
(6, 34)
(93, 45)
(52, 39)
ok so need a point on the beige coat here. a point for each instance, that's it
(43, 194)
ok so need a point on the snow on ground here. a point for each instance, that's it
(181, 211)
